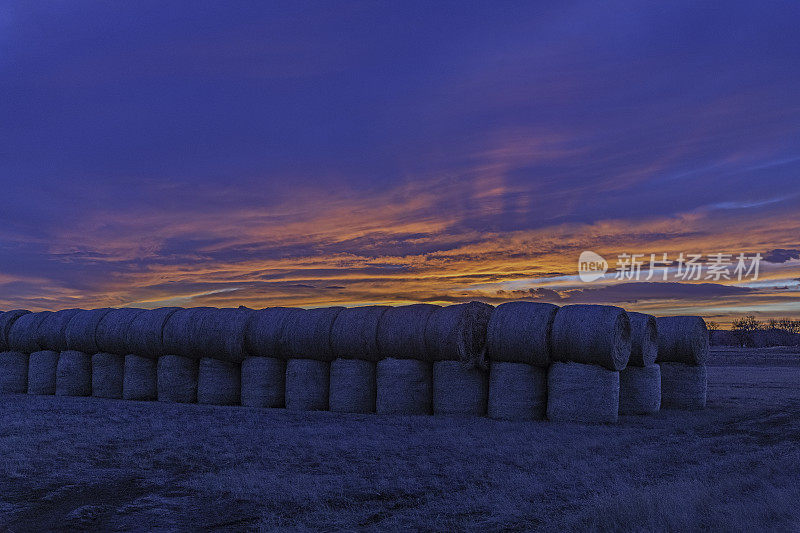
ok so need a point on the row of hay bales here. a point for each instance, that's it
(518, 361)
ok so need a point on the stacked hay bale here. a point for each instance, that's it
(7, 320)
(177, 379)
(51, 333)
(220, 341)
(178, 367)
(682, 354)
(143, 347)
(23, 334)
(263, 372)
(108, 366)
(403, 386)
(42, 367)
(640, 380)
(307, 385)
(218, 382)
(80, 332)
(12, 373)
(108, 371)
(74, 374)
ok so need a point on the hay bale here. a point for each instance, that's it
(51, 332)
(683, 386)
(352, 386)
(81, 330)
(682, 339)
(459, 390)
(182, 332)
(519, 332)
(221, 333)
(401, 331)
(458, 333)
(13, 373)
(403, 387)
(263, 332)
(42, 367)
(355, 333)
(74, 374)
(144, 335)
(640, 390)
(7, 319)
(307, 334)
(644, 339)
(592, 334)
(218, 382)
(23, 336)
(108, 375)
(578, 392)
(177, 379)
(263, 382)
(517, 391)
(140, 381)
(307, 385)
(112, 330)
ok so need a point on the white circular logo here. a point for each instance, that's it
(591, 266)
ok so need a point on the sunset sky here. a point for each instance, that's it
(347, 153)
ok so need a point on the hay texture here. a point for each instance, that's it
(108, 375)
(263, 332)
(42, 366)
(144, 335)
(220, 334)
(458, 333)
(81, 331)
(352, 386)
(177, 379)
(592, 334)
(519, 332)
(517, 391)
(307, 334)
(459, 390)
(355, 333)
(682, 339)
(218, 382)
(307, 385)
(263, 382)
(7, 319)
(23, 336)
(74, 374)
(183, 331)
(683, 386)
(401, 331)
(112, 330)
(582, 393)
(404, 387)
(140, 381)
(51, 332)
(644, 339)
(13, 373)
(640, 390)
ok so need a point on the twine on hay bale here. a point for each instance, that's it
(51, 332)
(81, 330)
(592, 334)
(352, 386)
(644, 339)
(264, 329)
(307, 385)
(221, 332)
(108, 374)
(404, 387)
(263, 382)
(42, 366)
(23, 336)
(7, 319)
(13, 373)
(144, 335)
(182, 331)
(519, 332)
(459, 390)
(517, 391)
(683, 386)
(218, 382)
(307, 334)
(578, 392)
(112, 330)
(140, 380)
(640, 390)
(682, 339)
(458, 333)
(355, 333)
(177, 379)
(401, 331)
(74, 374)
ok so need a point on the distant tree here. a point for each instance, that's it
(773, 323)
(744, 327)
(711, 325)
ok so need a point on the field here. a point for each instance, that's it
(80, 463)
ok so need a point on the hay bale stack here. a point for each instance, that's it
(401, 331)
(352, 386)
(458, 389)
(112, 330)
(13, 373)
(578, 392)
(81, 330)
(307, 385)
(51, 333)
(220, 334)
(140, 381)
(517, 391)
(404, 387)
(108, 375)
(640, 390)
(519, 332)
(682, 339)
(355, 333)
(644, 339)
(218, 382)
(74, 374)
(264, 329)
(592, 334)
(263, 382)
(458, 333)
(307, 334)
(144, 335)
(23, 336)
(42, 366)
(7, 319)
(683, 386)
(177, 379)
(182, 331)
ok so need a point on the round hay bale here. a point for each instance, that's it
(108, 375)
(7, 319)
(51, 332)
(459, 390)
(218, 382)
(644, 339)
(112, 330)
(23, 336)
(639, 390)
(683, 386)
(355, 333)
(401, 331)
(221, 332)
(458, 333)
(74, 374)
(519, 332)
(144, 335)
(13, 373)
(682, 339)
(264, 329)
(42, 368)
(182, 332)
(307, 334)
(582, 393)
(307, 385)
(263, 382)
(352, 388)
(517, 391)
(140, 381)
(403, 387)
(81, 330)
(592, 334)
(177, 379)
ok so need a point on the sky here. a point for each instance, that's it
(351, 153)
